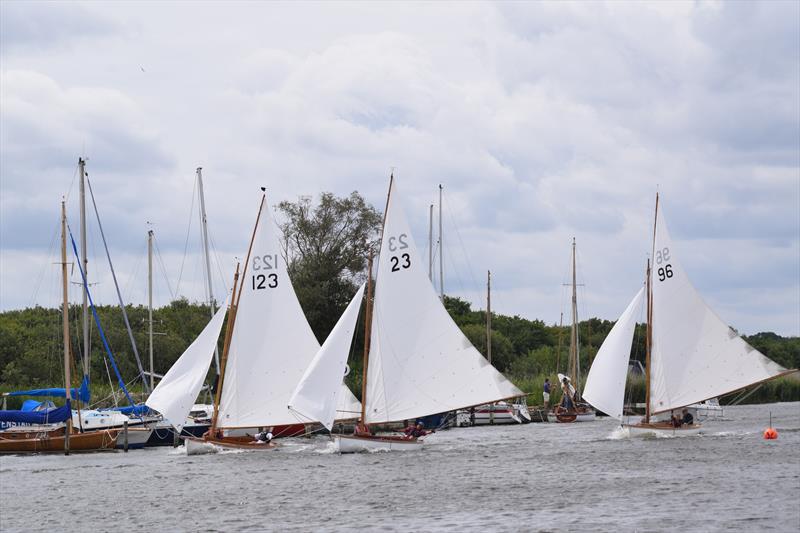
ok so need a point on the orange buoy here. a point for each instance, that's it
(770, 434)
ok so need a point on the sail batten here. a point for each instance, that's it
(420, 363)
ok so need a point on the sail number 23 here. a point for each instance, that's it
(265, 281)
(662, 256)
(399, 261)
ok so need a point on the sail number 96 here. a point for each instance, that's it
(265, 281)
(662, 256)
(400, 261)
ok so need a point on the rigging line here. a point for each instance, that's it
(40, 277)
(163, 268)
(116, 284)
(742, 396)
(111, 383)
(186, 243)
(129, 288)
(218, 262)
(449, 211)
(97, 321)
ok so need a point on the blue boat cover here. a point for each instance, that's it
(50, 416)
(138, 409)
(81, 393)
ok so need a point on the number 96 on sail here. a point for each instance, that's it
(664, 272)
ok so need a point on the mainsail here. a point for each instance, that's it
(605, 385)
(272, 343)
(317, 395)
(175, 394)
(694, 355)
(420, 363)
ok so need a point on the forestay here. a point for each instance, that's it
(177, 391)
(272, 343)
(317, 395)
(605, 385)
(420, 363)
(694, 354)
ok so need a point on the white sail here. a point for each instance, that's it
(347, 405)
(605, 384)
(420, 363)
(316, 397)
(177, 391)
(694, 355)
(272, 343)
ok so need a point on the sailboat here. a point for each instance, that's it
(692, 355)
(268, 346)
(576, 410)
(417, 361)
(50, 437)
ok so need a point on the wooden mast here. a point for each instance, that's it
(367, 336)
(65, 321)
(235, 297)
(649, 338)
(368, 317)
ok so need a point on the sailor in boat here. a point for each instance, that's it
(416, 431)
(566, 397)
(265, 437)
(546, 393)
(688, 419)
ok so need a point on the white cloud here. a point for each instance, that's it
(543, 121)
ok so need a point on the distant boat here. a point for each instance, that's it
(574, 410)
(48, 435)
(692, 355)
(417, 360)
(268, 346)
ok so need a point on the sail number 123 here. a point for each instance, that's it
(265, 281)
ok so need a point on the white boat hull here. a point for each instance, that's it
(354, 444)
(650, 431)
(137, 437)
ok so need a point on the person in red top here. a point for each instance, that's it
(415, 432)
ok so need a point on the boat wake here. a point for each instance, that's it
(619, 433)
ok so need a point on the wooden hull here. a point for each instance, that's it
(207, 444)
(662, 430)
(565, 417)
(53, 442)
(358, 443)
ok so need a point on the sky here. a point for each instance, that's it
(543, 121)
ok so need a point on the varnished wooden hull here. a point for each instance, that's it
(52, 441)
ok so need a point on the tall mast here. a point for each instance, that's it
(649, 340)
(368, 316)
(84, 260)
(235, 297)
(430, 243)
(367, 330)
(441, 249)
(574, 363)
(560, 332)
(150, 302)
(65, 319)
(489, 316)
(204, 231)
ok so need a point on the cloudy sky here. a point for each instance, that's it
(543, 121)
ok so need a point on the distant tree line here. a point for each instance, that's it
(326, 247)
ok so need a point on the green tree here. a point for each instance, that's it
(326, 248)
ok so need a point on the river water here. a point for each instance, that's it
(536, 477)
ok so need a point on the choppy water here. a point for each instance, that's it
(548, 477)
